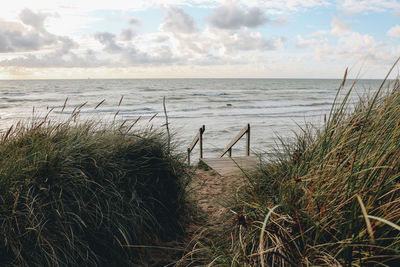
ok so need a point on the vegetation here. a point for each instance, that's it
(75, 194)
(86, 194)
(331, 197)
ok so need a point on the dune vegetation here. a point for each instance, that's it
(87, 194)
(330, 197)
(93, 194)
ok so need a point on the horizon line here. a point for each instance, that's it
(193, 78)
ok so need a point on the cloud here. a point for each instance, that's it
(252, 41)
(91, 5)
(285, 7)
(36, 20)
(339, 27)
(128, 54)
(394, 31)
(57, 59)
(108, 40)
(363, 6)
(355, 48)
(234, 17)
(307, 43)
(16, 37)
(133, 21)
(127, 34)
(66, 45)
(208, 46)
(280, 21)
(349, 46)
(218, 46)
(176, 20)
(159, 55)
(360, 47)
(160, 38)
(319, 33)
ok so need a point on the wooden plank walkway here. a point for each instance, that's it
(227, 166)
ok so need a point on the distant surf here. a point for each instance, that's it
(271, 106)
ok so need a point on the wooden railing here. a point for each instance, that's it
(228, 148)
(197, 138)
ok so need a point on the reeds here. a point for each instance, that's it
(331, 198)
(87, 194)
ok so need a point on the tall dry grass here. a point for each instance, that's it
(330, 198)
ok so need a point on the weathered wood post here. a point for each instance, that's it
(248, 140)
(197, 138)
(201, 131)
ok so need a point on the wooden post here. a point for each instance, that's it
(228, 148)
(188, 150)
(201, 131)
(248, 140)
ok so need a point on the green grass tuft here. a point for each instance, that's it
(86, 194)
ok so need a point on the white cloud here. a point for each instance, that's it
(109, 41)
(280, 21)
(229, 37)
(125, 53)
(319, 33)
(113, 54)
(56, 60)
(308, 43)
(287, 6)
(349, 46)
(251, 41)
(394, 31)
(134, 21)
(362, 6)
(339, 27)
(206, 47)
(176, 20)
(14, 37)
(282, 6)
(83, 7)
(36, 20)
(18, 37)
(160, 38)
(127, 34)
(356, 47)
(357, 43)
(233, 16)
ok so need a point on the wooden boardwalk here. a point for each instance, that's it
(231, 166)
(226, 166)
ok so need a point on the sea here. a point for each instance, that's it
(276, 109)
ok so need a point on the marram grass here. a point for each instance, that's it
(330, 198)
(85, 194)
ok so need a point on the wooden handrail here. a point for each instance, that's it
(197, 138)
(228, 148)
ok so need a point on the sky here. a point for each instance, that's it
(75, 39)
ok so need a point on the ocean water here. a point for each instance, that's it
(273, 107)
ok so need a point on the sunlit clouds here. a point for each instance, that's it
(177, 38)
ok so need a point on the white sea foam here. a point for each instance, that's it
(271, 106)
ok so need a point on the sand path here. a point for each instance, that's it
(210, 191)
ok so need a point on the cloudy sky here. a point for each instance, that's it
(198, 38)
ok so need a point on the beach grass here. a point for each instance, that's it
(87, 193)
(331, 197)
